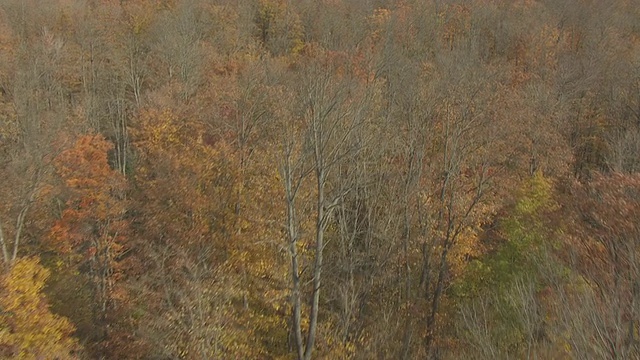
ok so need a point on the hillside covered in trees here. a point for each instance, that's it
(320, 179)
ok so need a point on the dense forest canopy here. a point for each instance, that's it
(333, 179)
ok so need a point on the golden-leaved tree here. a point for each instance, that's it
(207, 185)
(28, 329)
(188, 182)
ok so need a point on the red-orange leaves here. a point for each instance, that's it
(92, 230)
(94, 198)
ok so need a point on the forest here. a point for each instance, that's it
(320, 179)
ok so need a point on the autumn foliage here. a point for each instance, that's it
(95, 193)
(29, 329)
(336, 179)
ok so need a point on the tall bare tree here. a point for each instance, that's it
(332, 112)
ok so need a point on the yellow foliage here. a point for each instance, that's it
(536, 195)
(28, 328)
(379, 20)
(279, 26)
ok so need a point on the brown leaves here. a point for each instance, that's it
(604, 226)
(188, 182)
(601, 238)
